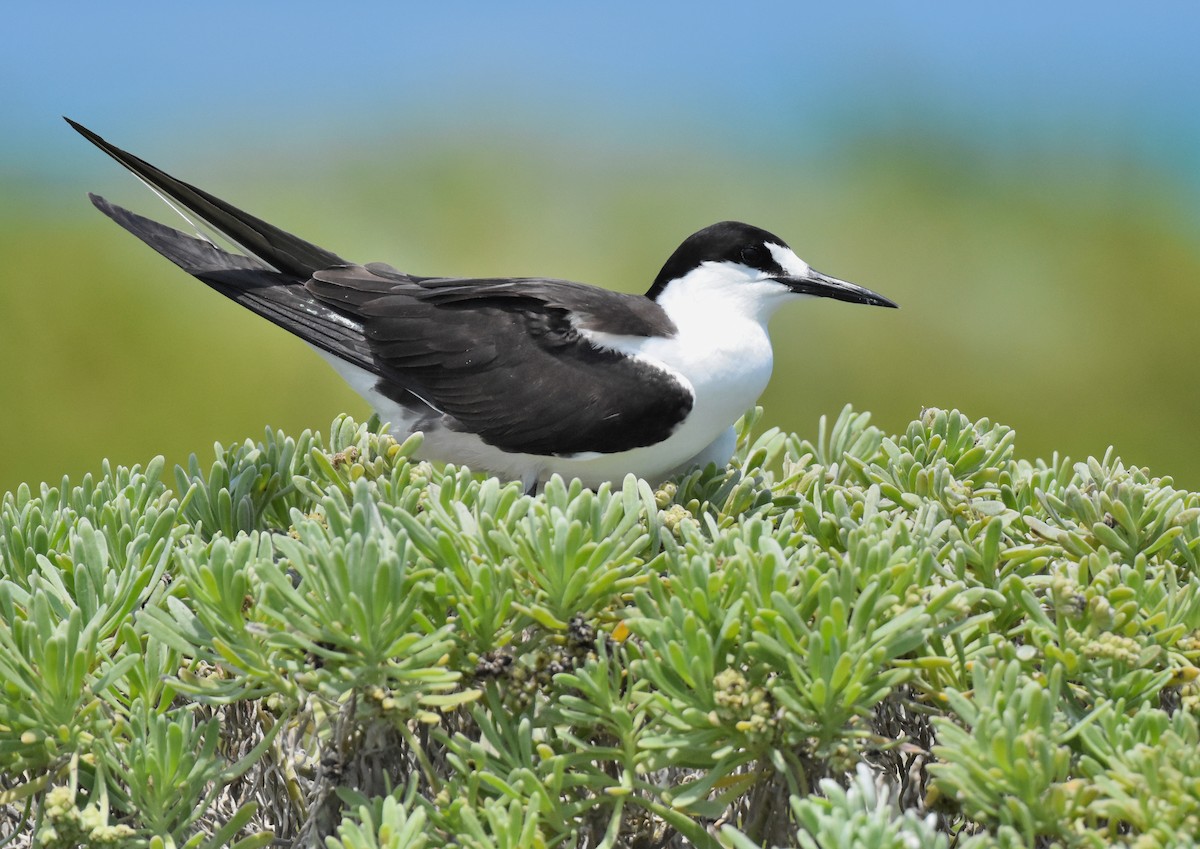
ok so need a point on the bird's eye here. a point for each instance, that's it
(751, 255)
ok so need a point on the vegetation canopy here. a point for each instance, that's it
(859, 640)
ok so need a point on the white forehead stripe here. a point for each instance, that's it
(788, 260)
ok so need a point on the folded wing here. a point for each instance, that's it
(504, 359)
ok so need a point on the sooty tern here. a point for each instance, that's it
(524, 377)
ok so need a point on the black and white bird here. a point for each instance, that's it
(523, 377)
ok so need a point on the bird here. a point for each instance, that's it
(520, 377)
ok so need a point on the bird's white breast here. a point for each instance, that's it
(721, 351)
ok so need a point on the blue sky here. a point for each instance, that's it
(1103, 76)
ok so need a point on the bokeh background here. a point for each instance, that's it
(1024, 180)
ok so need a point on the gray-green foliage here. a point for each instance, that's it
(858, 816)
(854, 641)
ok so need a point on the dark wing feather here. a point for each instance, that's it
(504, 360)
(280, 298)
(494, 357)
(281, 249)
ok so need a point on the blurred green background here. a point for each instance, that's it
(1024, 183)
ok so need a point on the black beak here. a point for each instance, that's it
(823, 286)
